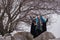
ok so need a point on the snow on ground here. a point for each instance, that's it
(55, 25)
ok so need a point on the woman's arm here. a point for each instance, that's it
(42, 19)
(31, 18)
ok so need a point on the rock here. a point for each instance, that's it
(28, 36)
(19, 37)
(55, 39)
(45, 36)
(22, 36)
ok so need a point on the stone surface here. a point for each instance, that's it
(55, 39)
(45, 36)
(28, 36)
(22, 36)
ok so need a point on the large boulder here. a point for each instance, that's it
(28, 36)
(22, 36)
(45, 36)
(55, 39)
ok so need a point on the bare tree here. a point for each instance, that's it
(13, 11)
(7, 6)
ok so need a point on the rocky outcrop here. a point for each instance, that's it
(45, 36)
(55, 39)
(28, 36)
(22, 36)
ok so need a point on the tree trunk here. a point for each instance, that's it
(1, 28)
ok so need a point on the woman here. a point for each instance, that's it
(33, 26)
(34, 31)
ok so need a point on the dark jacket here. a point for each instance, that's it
(44, 24)
(35, 32)
(43, 21)
(33, 28)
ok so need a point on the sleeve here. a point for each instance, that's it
(36, 20)
(42, 19)
(47, 20)
(31, 18)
